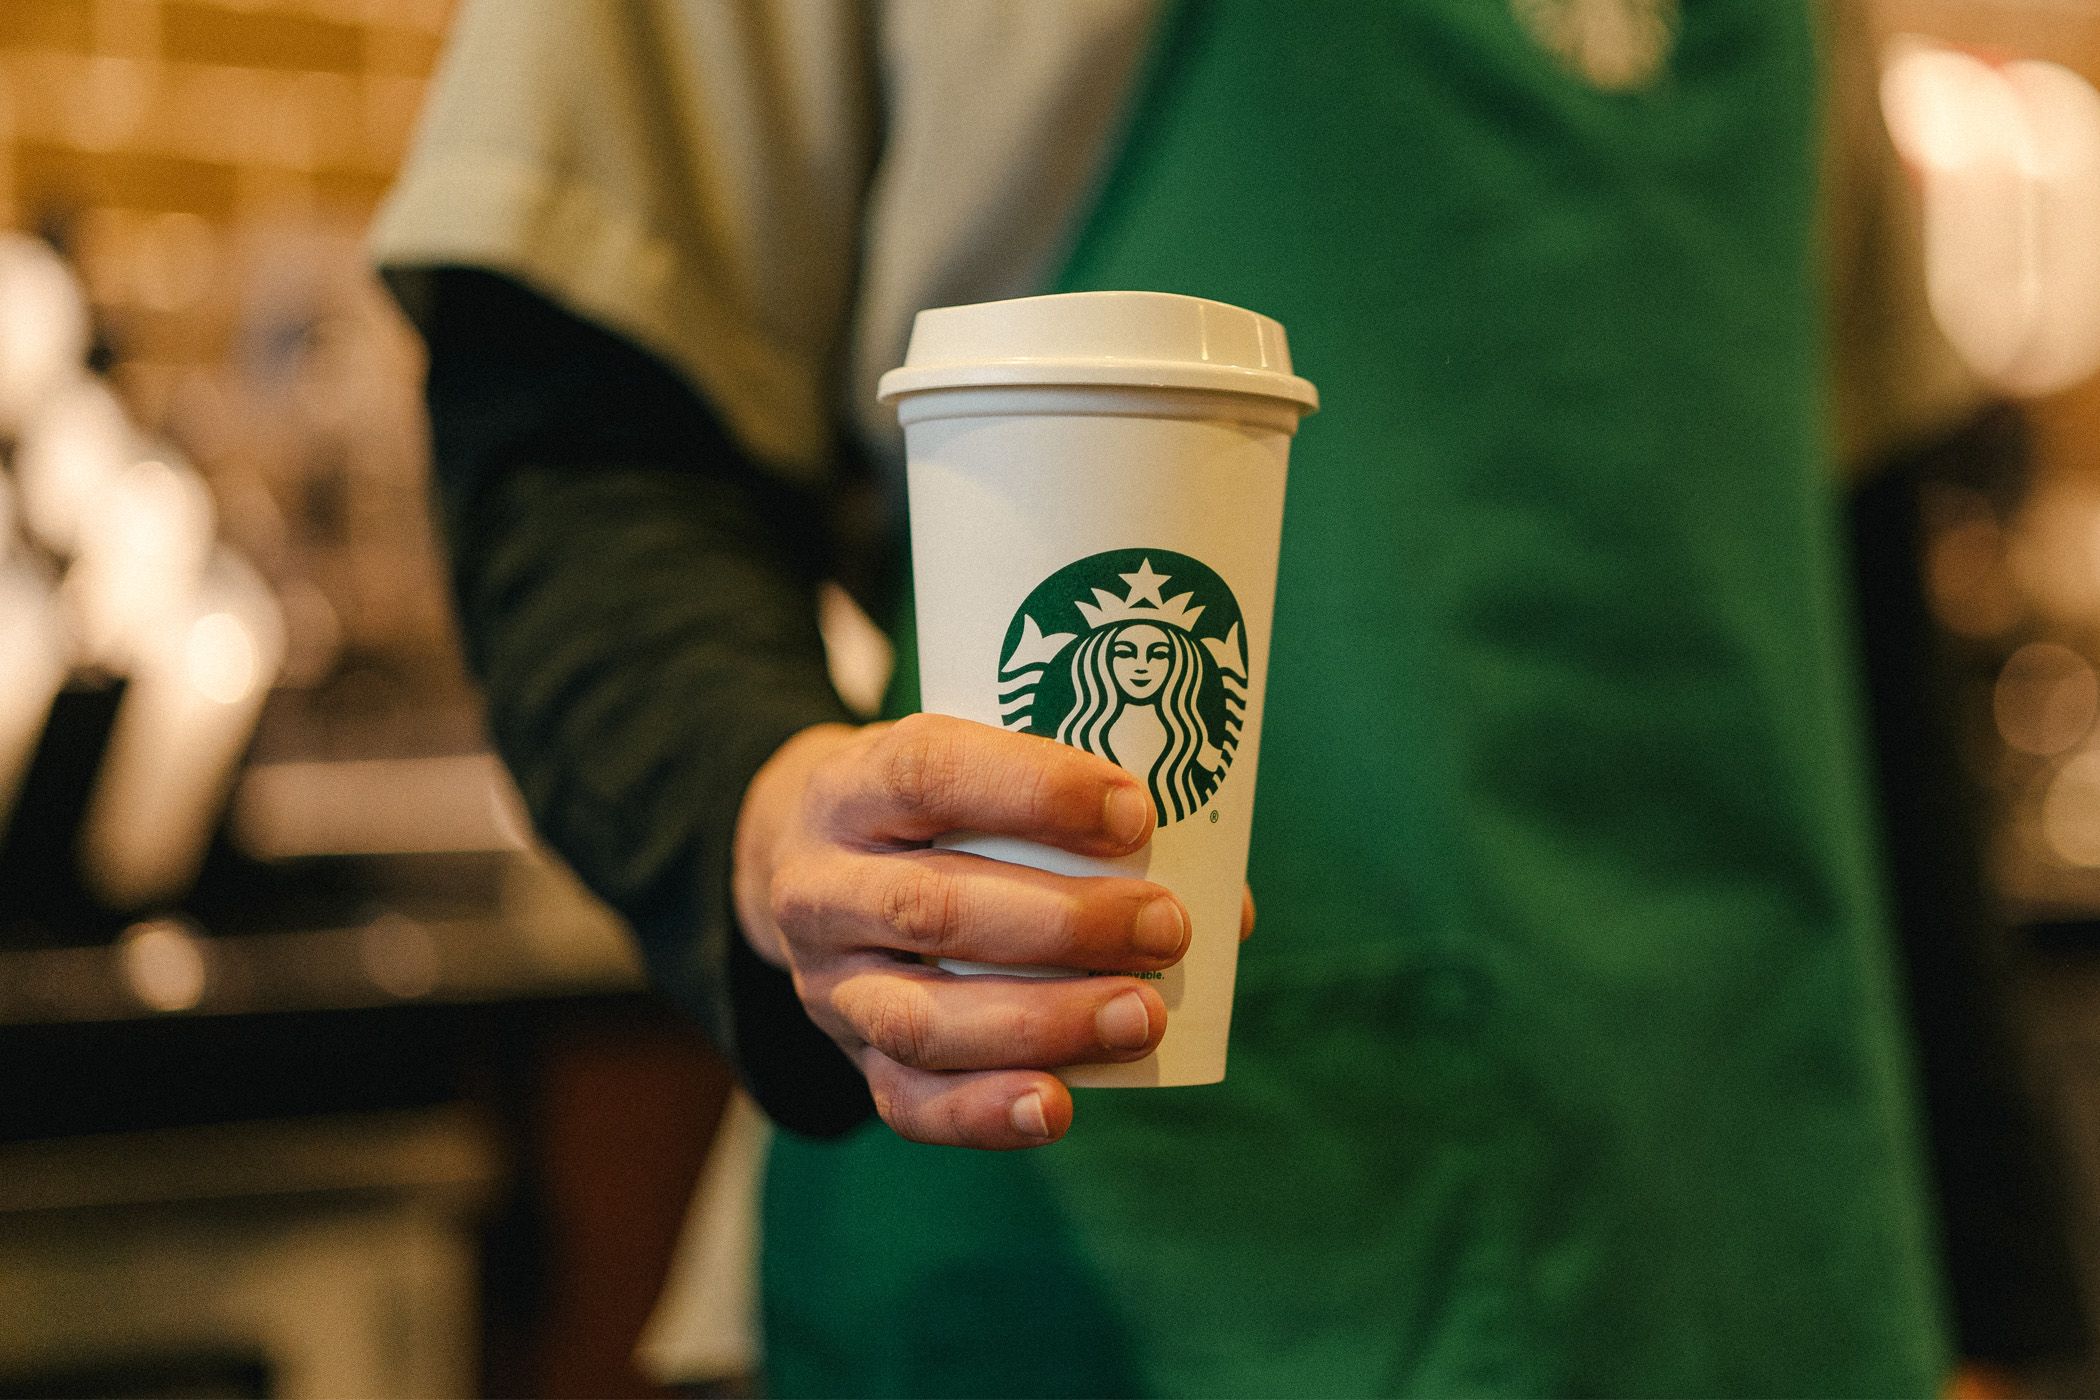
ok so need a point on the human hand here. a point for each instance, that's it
(836, 882)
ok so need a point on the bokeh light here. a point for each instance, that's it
(143, 547)
(400, 956)
(220, 658)
(1966, 578)
(165, 964)
(44, 335)
(2046, 698)
(2008, 158)
(70, 452)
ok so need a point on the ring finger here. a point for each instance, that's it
(929, 1020)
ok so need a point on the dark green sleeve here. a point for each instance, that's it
(639, 603)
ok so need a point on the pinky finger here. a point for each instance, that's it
(996, 1110)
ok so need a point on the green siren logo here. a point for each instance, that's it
(1137, 655)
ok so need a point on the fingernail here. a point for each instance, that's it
(1123, 1024)
(1125, 813)
(1161, 928)
(1027, 1116)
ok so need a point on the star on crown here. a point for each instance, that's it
(1142, 604)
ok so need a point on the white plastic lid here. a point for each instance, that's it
(1141, 339)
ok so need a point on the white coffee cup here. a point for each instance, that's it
(1096, 489)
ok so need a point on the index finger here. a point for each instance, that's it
(928, 775)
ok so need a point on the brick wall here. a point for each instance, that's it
(163, 134)
(210, 166)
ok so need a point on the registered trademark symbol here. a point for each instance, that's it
(1214, 817)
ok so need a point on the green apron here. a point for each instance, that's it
(1565, 1059)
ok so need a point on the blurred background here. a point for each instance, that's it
(322, 1080)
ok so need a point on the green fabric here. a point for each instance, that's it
(1565, 1059)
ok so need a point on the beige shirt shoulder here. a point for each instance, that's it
(764, 192)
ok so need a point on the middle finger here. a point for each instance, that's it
(950, 904)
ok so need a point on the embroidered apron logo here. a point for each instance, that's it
(1615, 44)
(1137, 655)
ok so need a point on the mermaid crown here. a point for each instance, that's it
(1142, 604)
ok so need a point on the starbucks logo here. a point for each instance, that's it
(1137, 655)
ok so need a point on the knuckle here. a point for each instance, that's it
(924, 909)
(820, 999)
(1042, 790)
(913, 728)
(899, 1107)
(1070, 918)
(909, 1124)
(952, 1120)
(890, 1102)
(903, 1028)
(919, 768)
(1027, 1032)
(826, 791)
(797, 898)
(1088, 923)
